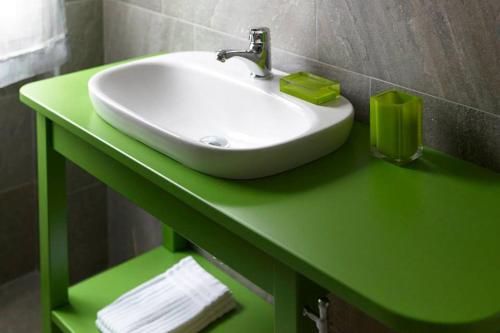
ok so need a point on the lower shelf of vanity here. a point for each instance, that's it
(86, 298)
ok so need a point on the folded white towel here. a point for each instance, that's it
(185, 298)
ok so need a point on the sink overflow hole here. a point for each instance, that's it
(215, 141)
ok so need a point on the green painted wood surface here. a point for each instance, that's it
(287, 306)
(86, 298)
(53, 228)
(173, 241)
(234, 251)
(416, 247)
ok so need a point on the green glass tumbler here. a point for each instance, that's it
(396, 126)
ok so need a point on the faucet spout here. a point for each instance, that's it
(224, 55)
(257, 56)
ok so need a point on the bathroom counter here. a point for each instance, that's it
(416, 247)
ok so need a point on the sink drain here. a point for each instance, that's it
(215, 141)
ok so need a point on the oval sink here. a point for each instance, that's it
(214, 117)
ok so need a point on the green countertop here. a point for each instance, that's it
(417, 246)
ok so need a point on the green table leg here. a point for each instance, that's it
(287, 309)
(293, 292)
(172, 241)
(52, 224)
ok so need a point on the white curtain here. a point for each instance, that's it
(32, 38)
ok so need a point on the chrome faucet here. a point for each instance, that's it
(258, 54)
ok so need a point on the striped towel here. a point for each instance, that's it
(185, 298)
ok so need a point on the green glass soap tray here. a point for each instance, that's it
(310, 87)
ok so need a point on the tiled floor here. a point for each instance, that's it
(20, 305)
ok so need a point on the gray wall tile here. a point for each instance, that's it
(20, 306)
(77, 179)
(199, 12)
(132, 231)
(16, 143)
(292, 23)
(18, 235)
(87, 216)
(211, 40)
(149, 4)
(84, 21)
(87, 232)
(480, 138)
(133, 31)
(445, 48)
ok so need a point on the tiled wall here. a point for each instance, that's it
(132, 231)
(448, 52)
(87, 197)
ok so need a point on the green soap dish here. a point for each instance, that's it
(310, 87)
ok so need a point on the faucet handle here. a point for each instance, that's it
(259, 35)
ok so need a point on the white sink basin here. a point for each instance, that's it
(214, 117)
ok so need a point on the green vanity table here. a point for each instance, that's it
(416, 247)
